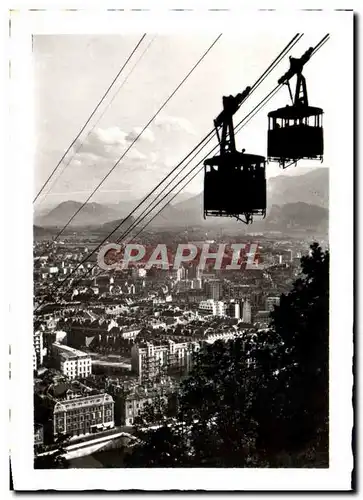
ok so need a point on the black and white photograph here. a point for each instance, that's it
(183, 288)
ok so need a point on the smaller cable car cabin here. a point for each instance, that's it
(234, 182)
(295, 132)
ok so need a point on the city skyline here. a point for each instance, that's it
(235, 367)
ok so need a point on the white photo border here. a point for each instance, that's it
(20, 151)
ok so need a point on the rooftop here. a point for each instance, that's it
(69, 352)
(83, 401)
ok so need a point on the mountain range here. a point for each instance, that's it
(293, 201)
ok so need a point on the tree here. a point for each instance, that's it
(292, 406)
(54, 459)
(260, 400)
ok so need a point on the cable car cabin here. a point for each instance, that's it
(235, 186)
(295, 133)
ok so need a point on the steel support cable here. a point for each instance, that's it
(90, 117)
(282, 54)
(269, 69)
(241, 124)
(246, 119)
(276, 61)
(65, 166)
(238, 127)
(133, 142)
(123, 221)
(138, 136)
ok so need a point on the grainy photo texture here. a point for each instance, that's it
(181, 249)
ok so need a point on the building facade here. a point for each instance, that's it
(71, 362)
(38, 343)
(153, 359)
(271, 302)
(233, 310)
(129, 406)
(38, 435)
(214, 289)
(246, 312)
(83, 415)
(212, 307)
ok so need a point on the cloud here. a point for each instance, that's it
(101, 142)
(146, 135)
(104, 145)
(174, 124)
(111, 136)
(135, 154)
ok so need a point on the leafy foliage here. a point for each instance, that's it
(55, 459)
(256, 401)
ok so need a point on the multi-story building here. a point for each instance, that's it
(213, 307)
(194, 271)
(195, 296)
(151, 359)
(196, 284)
(214, 289)
(271, 302)
(71, 362)
(246, 312)
(181, 273)
(35, 364)
(38, 343)
(83, 415)
(129, 405)
(38, 435)
(233, 310)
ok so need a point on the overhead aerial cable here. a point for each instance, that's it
(133, 142)
(243, 122)
(199, 146)
(295, 132)
(138, 136)
(89, 118)
(288, 47)
(65, 165)
(239, 126)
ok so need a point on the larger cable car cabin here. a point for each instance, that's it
(295, 132)
(234, 182)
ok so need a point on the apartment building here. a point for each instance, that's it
(71, 362)
(153, 359)
(212, 307)
(83, 415)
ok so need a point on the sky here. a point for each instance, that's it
(72, 72)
